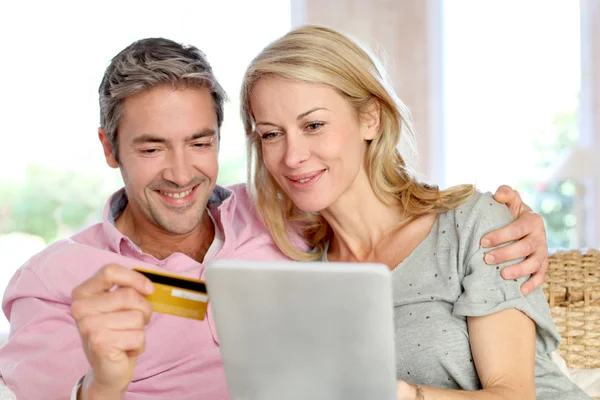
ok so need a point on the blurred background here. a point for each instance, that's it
(501, 91)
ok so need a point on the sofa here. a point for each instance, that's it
(572, 288)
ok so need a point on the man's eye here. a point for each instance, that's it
(148, 151)
(203, 143)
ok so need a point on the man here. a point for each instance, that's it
(161, 110)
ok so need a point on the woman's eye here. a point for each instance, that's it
(269, 135)
(313, 126)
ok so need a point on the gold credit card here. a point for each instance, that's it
(177, 295)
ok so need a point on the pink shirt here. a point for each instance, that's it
(43, 358)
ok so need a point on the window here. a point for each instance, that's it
(512, 93)
(53, 178)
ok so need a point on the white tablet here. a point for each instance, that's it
(292, 330)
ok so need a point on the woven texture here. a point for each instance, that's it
(572, 289)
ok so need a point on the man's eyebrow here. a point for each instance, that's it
(205, 133)
(298, 118)
(147, 138)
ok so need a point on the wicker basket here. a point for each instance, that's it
(572, 289)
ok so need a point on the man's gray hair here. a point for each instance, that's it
(148, 63)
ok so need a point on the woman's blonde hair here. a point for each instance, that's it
(317, 54)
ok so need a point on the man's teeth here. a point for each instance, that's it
(179, 195)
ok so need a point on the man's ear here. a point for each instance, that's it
(107, 147)
(371, 119)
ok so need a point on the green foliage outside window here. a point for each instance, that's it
(555, 201)
(50, 202)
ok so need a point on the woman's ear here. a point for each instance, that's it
(371, 119)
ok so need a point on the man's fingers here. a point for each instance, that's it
(512, 198)
(545, 264)
(521, 249)
(528, 224)
(536, 266)
(135, 353)
(121, 299)
(526, 267)
(117, 321)
(516, 205)
(113, 275)
(504, 194)
(513, 231)
(532, 283)
(113, 345)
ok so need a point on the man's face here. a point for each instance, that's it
(168, 145)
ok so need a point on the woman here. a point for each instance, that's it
(323, 124)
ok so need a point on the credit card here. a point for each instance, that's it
(177, 295)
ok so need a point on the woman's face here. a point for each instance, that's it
(313, 141)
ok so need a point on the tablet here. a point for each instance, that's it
(304, 330)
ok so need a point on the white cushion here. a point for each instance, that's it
(587, 379)
(562, 364)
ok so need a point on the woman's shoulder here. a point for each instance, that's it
(478, 213)
(463, 227)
